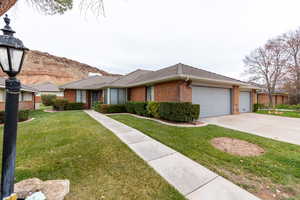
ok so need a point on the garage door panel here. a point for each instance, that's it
(245, 102)
(213, 101)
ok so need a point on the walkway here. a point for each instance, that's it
(191, 179)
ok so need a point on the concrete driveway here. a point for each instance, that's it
(279, 128)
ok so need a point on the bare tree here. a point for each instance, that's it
(292, 43)
(52, 7)
(268, 65)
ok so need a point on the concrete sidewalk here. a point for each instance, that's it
(191, 179)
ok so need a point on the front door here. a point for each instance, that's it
(95, 97)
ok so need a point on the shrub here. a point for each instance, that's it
(60, 104)
(130, 107)
(74, 106)
(23, 116)
(153, 109)
(257, 106)
(48, 99)
(96, 106)
(140, 108)
(111, 108)
(179, 112)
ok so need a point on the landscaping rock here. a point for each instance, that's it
(52, 189)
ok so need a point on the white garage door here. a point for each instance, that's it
(213, 101)
(245, 102)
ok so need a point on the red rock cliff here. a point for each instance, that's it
(40, 67)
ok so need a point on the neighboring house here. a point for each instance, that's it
(26, 98)
(278, 97)
(46, 88)
(216, 94)
(86, 90)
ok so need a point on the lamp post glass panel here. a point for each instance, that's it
(12, 53)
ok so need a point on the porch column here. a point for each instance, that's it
(235, 107)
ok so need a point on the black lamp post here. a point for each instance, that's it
(12, 53)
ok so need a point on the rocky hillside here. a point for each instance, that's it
(40, 67)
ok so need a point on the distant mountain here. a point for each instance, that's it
(41, 67)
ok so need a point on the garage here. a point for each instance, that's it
(213, 101)
(245, 102)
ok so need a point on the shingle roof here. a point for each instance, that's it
(23, 87)
(46, 87)
(89, 83)
(141, 77)
(182, 70)
(128, 78)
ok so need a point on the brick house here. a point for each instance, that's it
(26, 98)
(216, 94)
(46, 88)
(278, 97)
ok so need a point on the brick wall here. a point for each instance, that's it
(235, 100)
(137, 93)
(168, 91)
(254, 96)
(277, 99)
(70, 95)
(173, 91)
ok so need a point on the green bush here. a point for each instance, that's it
(153, 109)
(258, 106)
(130, 107)
(48, 99)
(140, 108)
(23, 115)
(179, 112)
(96, 106)
(111, 108)
(74, 106)
(60, 104)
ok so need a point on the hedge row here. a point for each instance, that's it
(279, 106)
(172, 111)
(64, 104)
(23, 116)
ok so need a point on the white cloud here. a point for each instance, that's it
(212, 34)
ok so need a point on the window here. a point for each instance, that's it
(117, 96)
(81, 96)
(105, 96)
(150, 93)
(27, 96)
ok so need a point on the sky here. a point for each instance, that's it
(214, 35)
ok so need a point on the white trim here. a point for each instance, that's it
(108, 95)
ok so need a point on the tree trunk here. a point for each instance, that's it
(270, 99)
(5, 5)
(298, 86)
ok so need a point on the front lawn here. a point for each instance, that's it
(273, 175)
(293, 114)
(71, 145)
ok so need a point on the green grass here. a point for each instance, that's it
(281, 113)
(278, 168)
(71, 145)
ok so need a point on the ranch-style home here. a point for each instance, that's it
(26, 98)
(216, 94)
(46, 88)
(278, 97)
